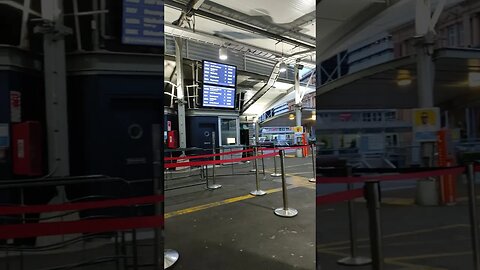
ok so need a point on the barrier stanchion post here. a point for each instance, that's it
(258, 191)
(263, 166)
(353, 259)
(206, 176)
(170, 256)
(314, 166)
(231, 163)
(275, 173)
(214, 184)
(473, 214)
(284, 211)
(254, 164)
(373, 205)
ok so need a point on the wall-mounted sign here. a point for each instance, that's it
(426, 124)
(143, 22)
(15, 106)
(298, 129)
(276, 130)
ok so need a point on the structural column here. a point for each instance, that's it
(180, 94)
(55, 89)
(427, 192)
(298, 103)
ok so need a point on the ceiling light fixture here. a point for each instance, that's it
(283, 67)
(404, 82)
(223, 53)
(291, 116)
(404, 78)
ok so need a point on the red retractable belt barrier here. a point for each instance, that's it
(283, 148)
(215, 162)
(391, 177)
(17, 210)
(79, 226)
(340, 196)
(352, 194)
(208, 155)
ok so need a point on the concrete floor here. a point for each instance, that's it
(229, 229)
(415, 237)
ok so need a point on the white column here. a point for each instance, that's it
(56, 92)
(180, 94)
(298, 104)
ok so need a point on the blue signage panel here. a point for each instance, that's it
(218, 97)
(219, 74)
(143, 22)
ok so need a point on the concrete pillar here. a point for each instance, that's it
(182, 133)
(55, 91)
(427, 190)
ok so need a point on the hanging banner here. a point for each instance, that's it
(426, 124)
(15, 107)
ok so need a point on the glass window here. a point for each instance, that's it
(228, 128)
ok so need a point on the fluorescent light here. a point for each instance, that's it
(474, 79)
(223, 54)
(283, 67)
(404, 82)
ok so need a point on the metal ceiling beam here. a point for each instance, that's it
(240, 25)
(328, 46)
(197, 36)
(260, 93)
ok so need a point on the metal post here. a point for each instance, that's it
(169, 256)
(298, 103)
(258, 191)
(254, 169)
(263, 166)
(55, 87)
(473, 215)
(275, 174)
(180, 93)
(314, 165)
(214, 184)
(284, 211)
(373, 205)
(353, 259)
(231, 163)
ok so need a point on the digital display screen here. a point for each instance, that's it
(219, 74)
(218, 97)
(143, 22)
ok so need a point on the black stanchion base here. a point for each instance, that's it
(170, 257)
(354, 261)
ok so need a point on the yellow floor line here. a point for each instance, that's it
(433, 255)
(214, 204)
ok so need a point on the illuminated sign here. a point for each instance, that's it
(143, 22)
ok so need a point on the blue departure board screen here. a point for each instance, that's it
(218, 97)
(143, 22)
(219, 74)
